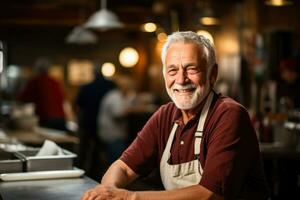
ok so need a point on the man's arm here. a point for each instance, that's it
(119, 175)
(195, 192)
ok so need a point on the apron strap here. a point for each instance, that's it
(170, 140)
(200, 127)
(198, 139)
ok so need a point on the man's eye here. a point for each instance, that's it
(192, 70)
(172, 71)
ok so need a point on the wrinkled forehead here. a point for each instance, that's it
(185, 51)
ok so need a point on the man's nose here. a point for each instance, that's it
(181, 76)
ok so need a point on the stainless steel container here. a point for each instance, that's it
(10, 162)
(47, 163)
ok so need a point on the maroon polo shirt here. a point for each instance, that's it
(229, 155)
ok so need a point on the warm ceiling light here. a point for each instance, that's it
(149, 27)
(209, 21)
(80, 72)
(228, 44)
(162, 37)
(103, 19)
(108, 69)
(208, 17)
(128, 57)
(278, 3)
(206, 34)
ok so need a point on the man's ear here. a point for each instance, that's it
(214, 74)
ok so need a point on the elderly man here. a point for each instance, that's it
(203, 142)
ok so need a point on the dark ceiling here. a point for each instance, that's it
(68, 13)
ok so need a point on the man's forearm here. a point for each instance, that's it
(118, 175)
(196, 192)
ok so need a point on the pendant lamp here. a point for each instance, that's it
(278, 3)
(208, 17)
(103, 19)
(80, 35)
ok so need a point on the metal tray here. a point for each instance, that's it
(10, 162)
(47, 163)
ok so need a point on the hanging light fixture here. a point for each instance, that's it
(103, 19)
(208, 16)
(80, 35)
(278, 3)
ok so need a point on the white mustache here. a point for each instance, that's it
(183, 87)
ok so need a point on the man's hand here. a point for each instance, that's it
(102, 192)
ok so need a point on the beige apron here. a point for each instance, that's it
(188, 173)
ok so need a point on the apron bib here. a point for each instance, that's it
(188, 173)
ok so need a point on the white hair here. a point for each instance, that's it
(191, 37)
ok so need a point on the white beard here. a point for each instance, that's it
(185, 101)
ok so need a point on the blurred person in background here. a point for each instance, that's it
(48, 96)
(113, 113)
(87, 104)
(203, 143)
(288, 86)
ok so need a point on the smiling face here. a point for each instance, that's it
(186, 75)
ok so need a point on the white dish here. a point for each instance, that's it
(42, 175)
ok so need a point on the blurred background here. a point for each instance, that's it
(78, 41)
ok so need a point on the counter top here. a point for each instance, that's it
(58, 189)
(38, 136)
(278, 150)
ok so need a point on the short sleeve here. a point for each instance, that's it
(142, 154)
(231, 149)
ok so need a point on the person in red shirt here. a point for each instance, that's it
(47, 95)
(203, 143)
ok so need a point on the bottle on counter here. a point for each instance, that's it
(264, 124)
(267, 133)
